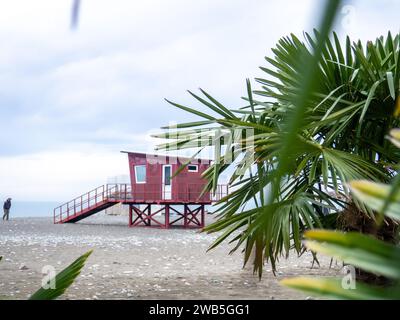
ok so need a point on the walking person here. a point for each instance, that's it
(6, 208)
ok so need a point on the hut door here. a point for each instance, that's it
(166, 182)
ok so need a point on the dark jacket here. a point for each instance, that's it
(7, 205)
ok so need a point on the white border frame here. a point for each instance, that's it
(196, 165)
(163, 182)
(163, 174)
(145, 178)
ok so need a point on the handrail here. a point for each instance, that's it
(85, 201)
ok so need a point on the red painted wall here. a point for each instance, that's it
(186, 186)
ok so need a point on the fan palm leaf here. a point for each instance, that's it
(291, 157)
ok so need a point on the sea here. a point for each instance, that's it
(23, 209)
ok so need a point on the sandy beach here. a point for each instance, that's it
(137, 263)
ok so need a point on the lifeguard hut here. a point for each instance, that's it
(156, 196)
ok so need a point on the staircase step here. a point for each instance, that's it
(88, 212)
(91, 202)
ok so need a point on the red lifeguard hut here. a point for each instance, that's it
(156, 196)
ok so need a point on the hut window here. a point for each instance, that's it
(193, 168)
(140, 174)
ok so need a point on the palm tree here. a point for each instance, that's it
(341, 137)
(360, 250)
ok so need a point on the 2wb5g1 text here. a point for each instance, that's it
(199, 310)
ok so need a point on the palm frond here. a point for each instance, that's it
(62, 280)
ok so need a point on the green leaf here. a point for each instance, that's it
(218, 104)
(328, 97)
(395, 137)
(375, 195)
(245, 124)
(390, 80)
(221, 111)
(333, 289)
(250, 96)
(358, 250)
(371, 96)
(62, 280)
(184, 165)
(190, 110)
(188, 125)
(296, 118)
(217, 154)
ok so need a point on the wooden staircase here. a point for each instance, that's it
(92, 202)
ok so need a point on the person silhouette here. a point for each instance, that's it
(6, 208)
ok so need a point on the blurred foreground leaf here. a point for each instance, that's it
(333, 288)
(62, 280)
(75, 13)
(358, 250)
(375, 195)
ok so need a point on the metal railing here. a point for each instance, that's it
(142, 193)
(86, 201)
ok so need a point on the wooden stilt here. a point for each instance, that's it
(202, 216)
(130, 216)
(167, 212)
(149, 215)
(185, 212)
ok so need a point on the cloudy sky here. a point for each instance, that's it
(71, 100)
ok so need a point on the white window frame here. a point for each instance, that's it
(167, 195)
(193, 165)
(136, 176)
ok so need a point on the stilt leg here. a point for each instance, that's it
(149, 214)
(185, 213)
(167, 211)
(202, 216)
(130, 222)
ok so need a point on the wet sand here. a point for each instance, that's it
(137, 263)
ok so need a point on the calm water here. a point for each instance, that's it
(31, 209)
